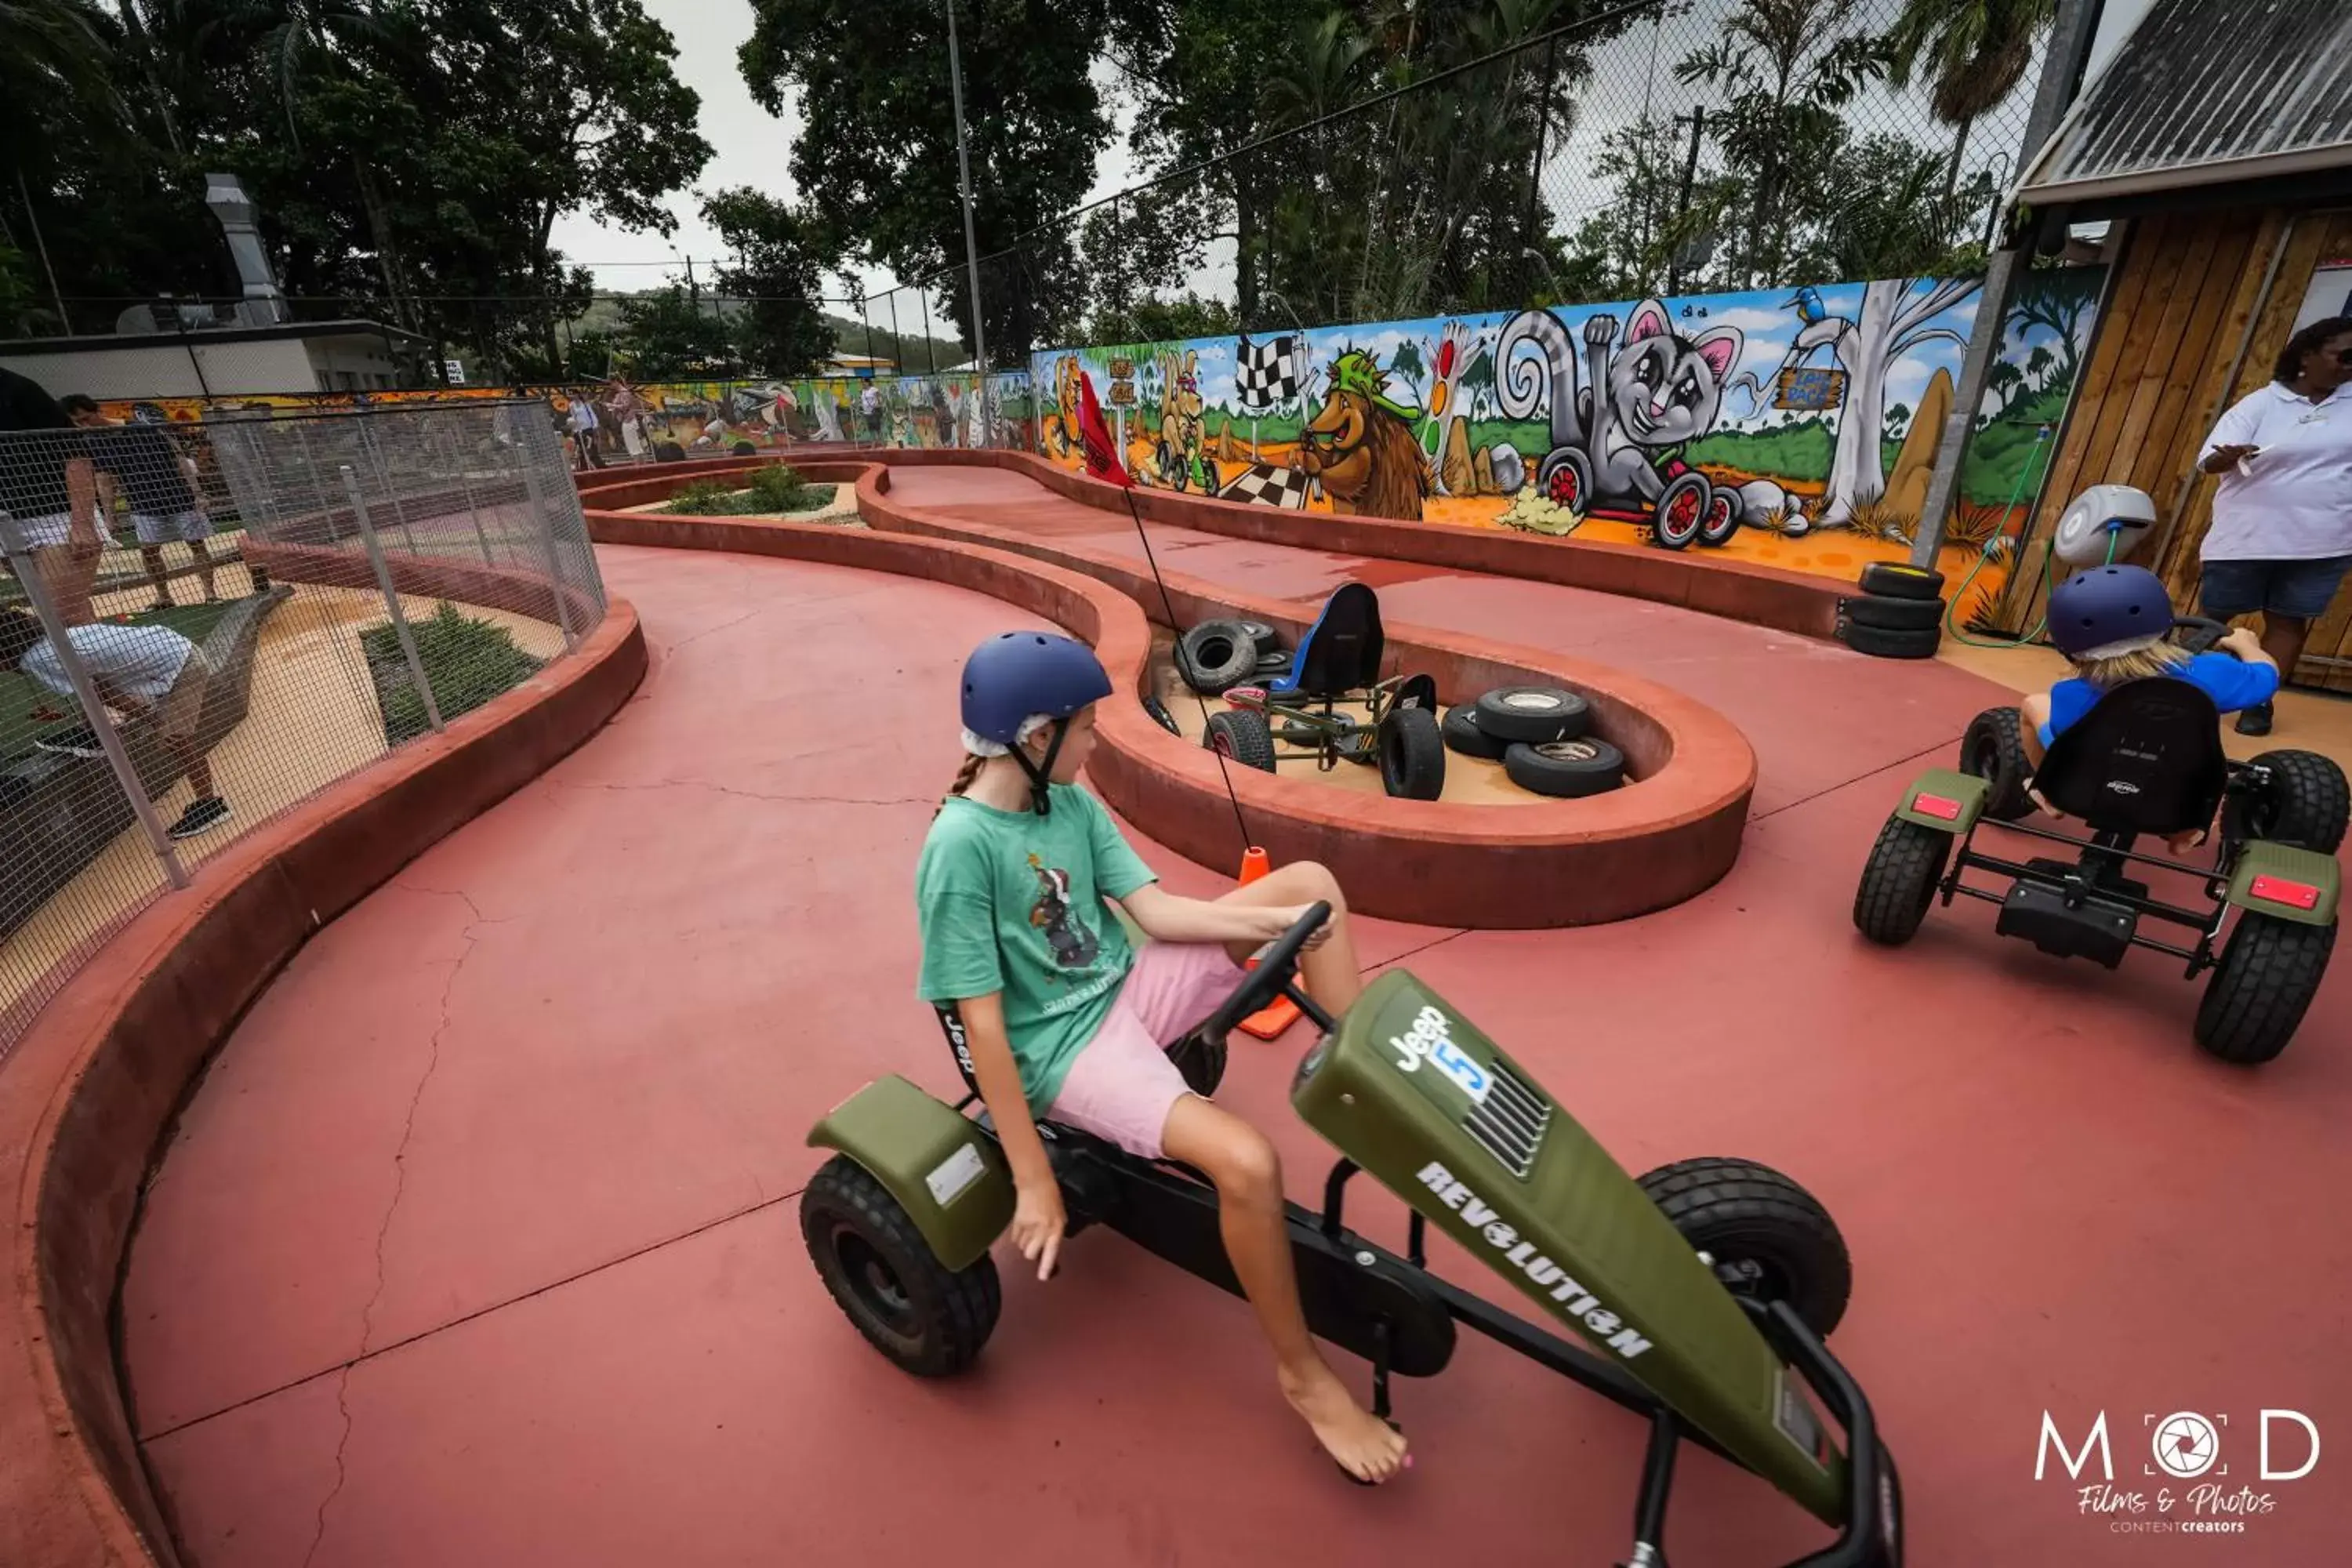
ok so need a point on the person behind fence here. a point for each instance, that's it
(583, 432)
(138, 670)
(48, 485)
(138, 461)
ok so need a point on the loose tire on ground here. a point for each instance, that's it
(1761, 1229)
(926, 1319)
(1893, 580)
(1215, 656)
(1994, 751)
(1882, 644)
(1899, 881)
(2270, 971)
(2307, 802)
(1566, 769)
(1261, 637)
(1241, 734)
(1462, 733)
(1893, 615)
(1412, 754)
(1160, 714)
(1532, 713)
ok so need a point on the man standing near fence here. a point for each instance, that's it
(584, 431)
(162, 485)
(48, 486)
(138, 670)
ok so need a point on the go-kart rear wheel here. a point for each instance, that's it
(2270, 971)
(1994, 751)
(1241, 734)
(1898, 883)
(926, 1319)
(1768, 1237)
(1412, 754)
(2307, 802)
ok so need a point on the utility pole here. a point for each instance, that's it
(2070, 47)
(971, 246)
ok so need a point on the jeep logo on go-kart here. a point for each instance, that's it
(1484, 1222)
(1429, 1040)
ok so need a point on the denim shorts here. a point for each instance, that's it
(2292, 590)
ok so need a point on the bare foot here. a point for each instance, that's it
(1365, 1447)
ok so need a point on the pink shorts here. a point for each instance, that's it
(1122, 1086)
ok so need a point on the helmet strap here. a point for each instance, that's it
(1041, 775)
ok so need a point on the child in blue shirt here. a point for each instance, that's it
(2111, 622)
(1063, 1017)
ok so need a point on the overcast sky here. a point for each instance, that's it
(751, 147)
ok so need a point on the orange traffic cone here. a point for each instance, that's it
(1281, 1012)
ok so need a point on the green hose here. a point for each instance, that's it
(1992, 547)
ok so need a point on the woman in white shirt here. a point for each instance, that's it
(2281, 536)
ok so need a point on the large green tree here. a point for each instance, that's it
(780, 256)
(876, 154)
(1973, 53)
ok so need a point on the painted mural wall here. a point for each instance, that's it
(1793, 428)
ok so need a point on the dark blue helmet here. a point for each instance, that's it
(2107, 604)
(1016, 674)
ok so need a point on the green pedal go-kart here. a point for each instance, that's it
(2147, 760)
(1697, 1296)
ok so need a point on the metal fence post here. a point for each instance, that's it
(391, 596)
(543, 529)
(117, 756)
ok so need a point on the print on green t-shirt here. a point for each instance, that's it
(1009, 901)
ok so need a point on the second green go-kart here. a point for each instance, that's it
(1697, 1296)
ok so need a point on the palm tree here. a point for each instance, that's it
(1975, 52)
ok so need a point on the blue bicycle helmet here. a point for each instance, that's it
(2107, 605)
(1016, 674)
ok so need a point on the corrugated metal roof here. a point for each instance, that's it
(2205, 91)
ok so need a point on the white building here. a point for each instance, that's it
(220, 362)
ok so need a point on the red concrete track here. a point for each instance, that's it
(475, 1246)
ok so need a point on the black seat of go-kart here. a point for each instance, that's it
(1341, 651)
(2146, 758)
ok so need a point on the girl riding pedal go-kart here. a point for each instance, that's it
(2113, 625)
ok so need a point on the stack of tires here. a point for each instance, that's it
(1899, 614)
(1217, 655)
(1540, 736)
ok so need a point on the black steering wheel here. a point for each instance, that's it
(2197, 634)
(1270, 979)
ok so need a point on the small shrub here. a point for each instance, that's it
(467, 660)
(700, 498)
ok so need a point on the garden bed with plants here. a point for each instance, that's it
(467, 661)
(776, 490)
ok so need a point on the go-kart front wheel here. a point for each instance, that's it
(926, 1319)
(1768, 1237)
(1898, 883)
(1241, 734)
(2269, 972)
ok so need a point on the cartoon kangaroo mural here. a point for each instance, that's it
(1182, 459)
(1657, 392)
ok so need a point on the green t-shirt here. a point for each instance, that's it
(1011, 901)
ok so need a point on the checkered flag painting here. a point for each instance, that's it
(1263, 484)
(1266, 375)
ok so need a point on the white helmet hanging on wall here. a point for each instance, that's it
(2103, 513)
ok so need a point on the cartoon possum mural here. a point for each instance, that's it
(1657, 393)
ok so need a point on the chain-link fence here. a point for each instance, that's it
(207, 622)
(1676, 147)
